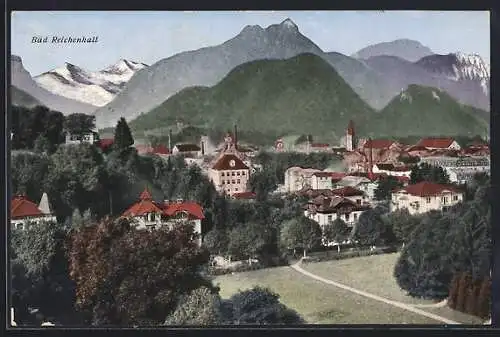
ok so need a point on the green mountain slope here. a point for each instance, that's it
(300, 95)
(22, 98)
(428, 111)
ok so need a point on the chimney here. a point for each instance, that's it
(202, 147)
(235, 136)
(170, 140)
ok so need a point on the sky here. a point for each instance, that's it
(151, 36)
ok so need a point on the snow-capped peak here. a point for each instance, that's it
(471, 66)
(94, 87)
(288, 23)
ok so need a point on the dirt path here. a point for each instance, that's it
(400, 305)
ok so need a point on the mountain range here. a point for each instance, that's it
(306, 95)
(97, 88)
(376, 73)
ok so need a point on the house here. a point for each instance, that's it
(147, 149)
(244, 196)
(325, 210)
(298, 178)
(105, 143)
(355, 195)
(24, 212)
(443, 143)
(187, 150)
(320, 147)
(324, 180)
(147, 213)
(90, 137)
(424, 197)
(230, 174)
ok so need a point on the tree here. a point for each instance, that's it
(200, 307)
(123, 137)
(216, 241)
(403, 224)
(385, 187)
(262, 183)
(248, 240)
(260, 306)
(301, 232)
(42, 145)
(79, 124)
(126, 276)
(484, 299)
(371, 229)
(427, 172)
(40, 272)
(336, 231)
(452, 297)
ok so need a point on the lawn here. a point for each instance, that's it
(320, 303)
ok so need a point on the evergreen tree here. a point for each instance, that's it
(385, 187)
(123, 135)
(430, 173)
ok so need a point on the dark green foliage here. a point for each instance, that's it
(336, 231)
(40, 277)
(385, 187)
(443, 245)
(27, 174)
(443, 117)
(262, 183)
(302, 94)
(216, 241)
(403, 224)
(123, 137)
(453, 295)
(427, 172)
(247, 241)
(260, 306)
(79, 124)
(30, 124)
(372, 228)
(301, 232)
(200, 307)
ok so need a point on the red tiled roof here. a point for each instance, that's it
(105, 143)
(21, 207)
(143, 148)
(438, 143)
(378, 143)
(347, 191)
(416, 148)
(192, 208)
(229, 162)
(244, 195)
(320, 145)
(161, 149)
(333, 175)
(428, 189)
(402, 179)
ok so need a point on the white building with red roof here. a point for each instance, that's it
(325, 209)
(24, 212)
(325, 180)
(425, 197)
(439, 143)
(230, 174)
(146, 213)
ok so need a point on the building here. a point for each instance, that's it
(320, 147)
(325, 210)
(433, 143)
(325, 180)
(147, 213)
(105, 144)
(424, 197)
(392, 170)
(24, 212)
(353, 194)
(460, 169)
(298, 178)
(90, 137)
(230, 174)
(350, 137)
(187, 150)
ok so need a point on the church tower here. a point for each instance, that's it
(349, 137)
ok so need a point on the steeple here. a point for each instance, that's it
(349, 138)
(44, 205)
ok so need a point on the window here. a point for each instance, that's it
(355, 216)
(428, 200)
(455, 197)
(243, 173)
(19, 226)
(236, 189)
(223, 182)
(358, 201)
(232, 173)
(222, 174)
(444, 200)
(238, 181)
(329, 218)
(238, 173)
(347, 217)
(228, 190)
(232, 181)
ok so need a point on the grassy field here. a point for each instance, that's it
(321, 303)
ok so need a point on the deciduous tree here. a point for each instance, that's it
(301, 232)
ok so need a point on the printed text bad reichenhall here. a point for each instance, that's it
(64, 39)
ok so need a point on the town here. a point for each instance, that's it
(372, 176)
